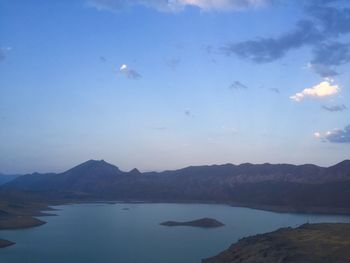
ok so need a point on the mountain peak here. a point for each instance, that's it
(135, 171)
(92, 161)
(345, 162)
(94, 166)
(342, 165)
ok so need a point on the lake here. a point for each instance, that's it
(109, 233)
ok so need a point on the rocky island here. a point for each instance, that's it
(203, 222)
(312, 243)
(5, 243)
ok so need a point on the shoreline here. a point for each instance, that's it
(262, 207)
(29, 218)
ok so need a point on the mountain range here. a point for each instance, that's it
(290, 187)
(4, 178)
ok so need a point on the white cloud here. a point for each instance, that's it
(323, 89)
(317, 135)
(129, 73)
(123, 67)
(177, 5)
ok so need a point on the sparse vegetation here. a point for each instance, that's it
(309, 243)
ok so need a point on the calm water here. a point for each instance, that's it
(106, 233)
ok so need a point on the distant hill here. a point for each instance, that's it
(89, 177)
(291, 187)
(5, 178)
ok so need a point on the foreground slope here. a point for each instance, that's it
(309, 243)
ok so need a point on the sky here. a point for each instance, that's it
(159, 85)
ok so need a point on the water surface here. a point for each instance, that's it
(108, 233)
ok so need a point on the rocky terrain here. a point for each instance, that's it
(309, 243)
(5, 243)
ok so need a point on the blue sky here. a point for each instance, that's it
(158, 84)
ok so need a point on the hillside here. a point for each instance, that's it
(309, 243)
(5, 178)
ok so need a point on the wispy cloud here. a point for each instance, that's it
(2, 55)
(224, 5)
(334, 108)
(270, 49)
(275, 90)
(329, 55)
(323, 89)
(188, 113)
(322, 69)
(178, 5)
(160, 128)
(172, 63)
(335, 136)
(209, 49)
(236, 85)
(3, 52)
(129, 73)
(321, 28)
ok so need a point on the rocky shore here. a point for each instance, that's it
(311, 243)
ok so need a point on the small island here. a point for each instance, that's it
(203, 222)
(5, 243)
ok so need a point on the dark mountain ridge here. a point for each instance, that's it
(250, 173)
(5, 178)
(298, 187)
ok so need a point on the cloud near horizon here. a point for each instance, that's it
(335, 136)
(178, 5)
(323, 89)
